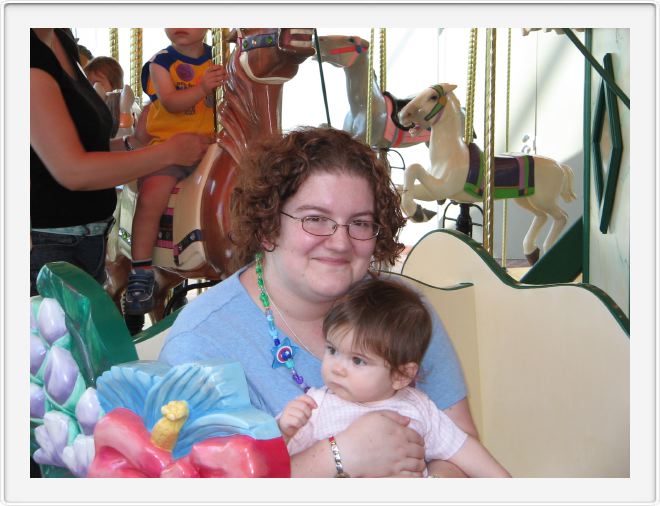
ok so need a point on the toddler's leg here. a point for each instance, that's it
(152, 201)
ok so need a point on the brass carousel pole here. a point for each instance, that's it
(471, 78)
(136, 64)
(505, 202)
(383, 59)
(114, 43)
(369, 89)
(489, 140)
(382, 153)
(220, 52)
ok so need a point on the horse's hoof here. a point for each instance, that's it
(533, 257)
(422, 215)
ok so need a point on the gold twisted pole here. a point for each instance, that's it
(220, 53)
(489, 140)
(505, 202)
(114, 43)
(383, 59)
(136, 63)
(469, 99)
(370, 72)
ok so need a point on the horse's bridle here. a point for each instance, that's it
(258, 41)
(440, 104)
(247, 43)
(353, 48)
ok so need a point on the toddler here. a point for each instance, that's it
(105, 71)
(180, 81)
(376, 337)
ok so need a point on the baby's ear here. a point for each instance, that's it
(405, 375)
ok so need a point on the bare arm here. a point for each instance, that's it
(460, 414)
(477, 462)
(175, 100)
(54, 138)
(377, 444)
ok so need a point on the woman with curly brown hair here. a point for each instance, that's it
(313, 212)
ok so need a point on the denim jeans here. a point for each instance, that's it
(85, 252)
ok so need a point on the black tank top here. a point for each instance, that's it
(52, 205)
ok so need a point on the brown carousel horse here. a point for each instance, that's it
(193, 240)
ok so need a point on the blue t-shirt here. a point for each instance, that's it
(225, 322)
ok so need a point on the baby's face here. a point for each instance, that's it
(186, 36)
(97, 77)
(355, 375)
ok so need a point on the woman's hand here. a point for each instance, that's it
(188, 148)
(380, 444)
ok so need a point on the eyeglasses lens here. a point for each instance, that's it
(318, 225)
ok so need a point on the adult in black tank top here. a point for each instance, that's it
(73, 171)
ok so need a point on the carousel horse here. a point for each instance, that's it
(534, 182)
(124, 111)
(351, 54)
(193, 240)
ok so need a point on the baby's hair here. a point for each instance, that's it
(387, 318)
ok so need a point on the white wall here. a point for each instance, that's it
(609, 254)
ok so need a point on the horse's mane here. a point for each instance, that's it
(239, 113)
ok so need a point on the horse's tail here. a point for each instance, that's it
(567, 192)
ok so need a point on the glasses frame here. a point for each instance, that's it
(336, 226)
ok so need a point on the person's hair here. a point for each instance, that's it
(84, 54)
(110, 68)
(386, 317)
(272, 172)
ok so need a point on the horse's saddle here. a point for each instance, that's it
(395, 133)
(179, 244)
(514, 175)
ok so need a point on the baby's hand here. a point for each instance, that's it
(295, 415)
(214, 76)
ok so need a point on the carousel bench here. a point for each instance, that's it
(547, 367)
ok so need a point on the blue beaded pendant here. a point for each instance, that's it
(283, 354)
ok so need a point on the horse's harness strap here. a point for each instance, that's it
(194, 236)
(258, 41)
(353, 48)
(440, 105)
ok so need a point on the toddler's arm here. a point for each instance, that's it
(295, 415)
(476, 461)
(180, 100)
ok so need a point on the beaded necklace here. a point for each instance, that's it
(283, 351)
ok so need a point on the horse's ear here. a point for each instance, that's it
(232, 35)
(448, 87)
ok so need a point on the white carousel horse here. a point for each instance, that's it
(351, 53)
(534, 182)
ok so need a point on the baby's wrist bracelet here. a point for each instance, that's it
(337, 456)
(127, 144)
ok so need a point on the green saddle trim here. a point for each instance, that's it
(475, 188)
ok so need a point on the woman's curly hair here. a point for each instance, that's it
(273, 172)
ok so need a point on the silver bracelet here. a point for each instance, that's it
(337, 456)
(127, 144)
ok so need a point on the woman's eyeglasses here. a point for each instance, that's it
(361, 230)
